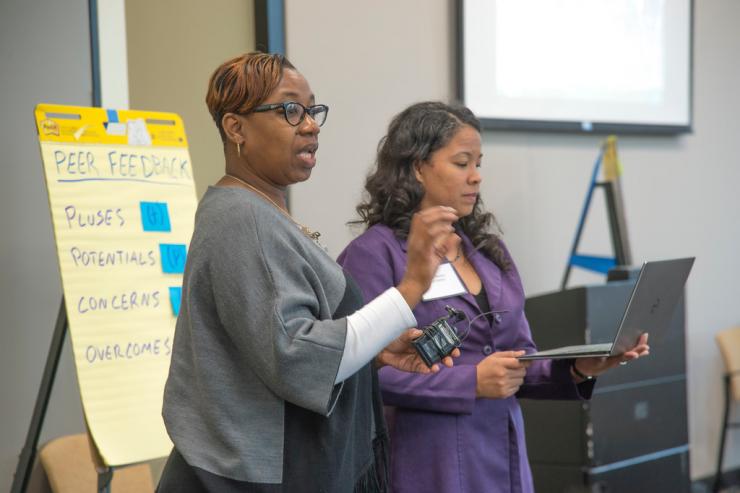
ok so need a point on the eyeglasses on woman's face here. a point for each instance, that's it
(294, 113)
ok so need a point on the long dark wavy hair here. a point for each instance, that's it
(392, 192)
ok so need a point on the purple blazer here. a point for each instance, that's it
(444, 439)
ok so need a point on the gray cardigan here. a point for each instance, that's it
(256, 343)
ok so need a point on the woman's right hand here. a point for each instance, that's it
(428, 234)
(401, 355)
(500, 375)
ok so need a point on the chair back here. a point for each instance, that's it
(68, 463)
(729, 346)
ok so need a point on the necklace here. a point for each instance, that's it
(457, 257)
(314, 235)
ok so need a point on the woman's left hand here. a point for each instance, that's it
(400, 354)
(596, 366)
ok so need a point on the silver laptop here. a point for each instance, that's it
(650, 309)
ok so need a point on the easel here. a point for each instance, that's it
(158, 206)
(615, 211)
(29, 452)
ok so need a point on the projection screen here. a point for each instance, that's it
(577, 65)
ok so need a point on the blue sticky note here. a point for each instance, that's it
(112, 116)
(173, 258)
(155, 216)
(175, 299)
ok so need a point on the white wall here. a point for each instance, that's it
(112, 55)
(366, 61)
(370, 60)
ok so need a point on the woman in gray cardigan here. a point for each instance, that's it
(273, 384)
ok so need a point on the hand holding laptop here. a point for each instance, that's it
(499, 375)
(595, 366)
(657, 291)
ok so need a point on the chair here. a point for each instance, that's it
(729, 345)
(70, 468)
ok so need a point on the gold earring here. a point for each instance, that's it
(239, 149)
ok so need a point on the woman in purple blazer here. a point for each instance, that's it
(460, 430)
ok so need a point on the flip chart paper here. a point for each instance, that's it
(122, 216)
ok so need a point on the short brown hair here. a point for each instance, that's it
(242, 83)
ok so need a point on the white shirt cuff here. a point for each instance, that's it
(373, 327)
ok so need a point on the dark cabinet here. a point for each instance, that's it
(632, 435)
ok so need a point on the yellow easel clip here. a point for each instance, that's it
(612, 166)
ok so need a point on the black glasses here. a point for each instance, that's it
(295, 112)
